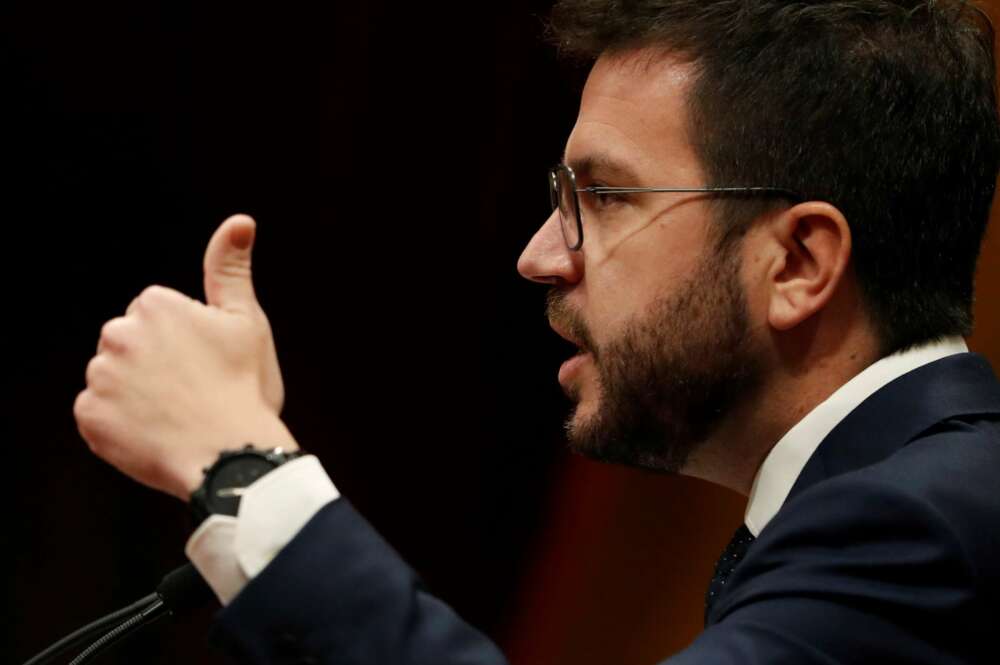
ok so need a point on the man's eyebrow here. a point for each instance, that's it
(602, 164)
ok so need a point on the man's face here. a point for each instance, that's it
(657, 311)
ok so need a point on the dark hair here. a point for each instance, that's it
(886, 110)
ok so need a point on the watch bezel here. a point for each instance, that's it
(204, 501)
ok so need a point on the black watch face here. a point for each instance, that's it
(231, 478)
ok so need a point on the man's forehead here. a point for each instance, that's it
(641, 73)
(632, 111)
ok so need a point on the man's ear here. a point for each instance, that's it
(812, 245)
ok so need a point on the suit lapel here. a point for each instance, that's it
(952, 387)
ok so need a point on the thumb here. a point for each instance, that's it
(228, 283)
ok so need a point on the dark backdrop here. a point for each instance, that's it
(394, 161)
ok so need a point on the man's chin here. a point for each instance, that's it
(583, 415)
(590, 434)
(584, 431)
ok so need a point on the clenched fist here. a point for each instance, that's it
(175, 381)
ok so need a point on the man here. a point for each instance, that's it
(763, 242)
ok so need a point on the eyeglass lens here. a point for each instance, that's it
(563, 196)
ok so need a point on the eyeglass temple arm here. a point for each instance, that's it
(639, 190)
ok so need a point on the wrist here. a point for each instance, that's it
(268, 432)
(231, 476)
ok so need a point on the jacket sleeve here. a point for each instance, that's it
(338, 593)
(861, 568)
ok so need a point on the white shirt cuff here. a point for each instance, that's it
(230, 551)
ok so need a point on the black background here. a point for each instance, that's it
(393, 156)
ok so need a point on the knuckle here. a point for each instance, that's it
(114, 333)
(84, 414)
(155, 290)
(152, 299)
(156, 296)
(98, 374)
(233, 268)
(81, 405)
(152, 294)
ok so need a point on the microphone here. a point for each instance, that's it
(180, 590)
(184, 589)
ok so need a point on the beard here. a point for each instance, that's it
(672, 375)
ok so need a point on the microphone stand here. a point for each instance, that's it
(181, 589)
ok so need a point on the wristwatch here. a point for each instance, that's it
(227, 479)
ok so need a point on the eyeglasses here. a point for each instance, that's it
(564, 195)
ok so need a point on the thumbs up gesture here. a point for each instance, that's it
(175, 381)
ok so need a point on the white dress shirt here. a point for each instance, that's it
(782, 466)
(230, 551)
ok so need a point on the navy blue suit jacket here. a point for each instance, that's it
(887, 550)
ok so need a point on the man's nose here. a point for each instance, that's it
(547, 259)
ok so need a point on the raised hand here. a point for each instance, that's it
(175, 381)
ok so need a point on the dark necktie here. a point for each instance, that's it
(731, 556)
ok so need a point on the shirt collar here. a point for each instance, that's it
(787, 458)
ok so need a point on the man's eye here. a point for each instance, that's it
(605, 199)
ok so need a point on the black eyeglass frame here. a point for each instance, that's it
(554, 195)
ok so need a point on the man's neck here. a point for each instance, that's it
(802, 377)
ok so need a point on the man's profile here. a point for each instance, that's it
(763, 238)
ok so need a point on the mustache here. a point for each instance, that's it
(559, 314)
